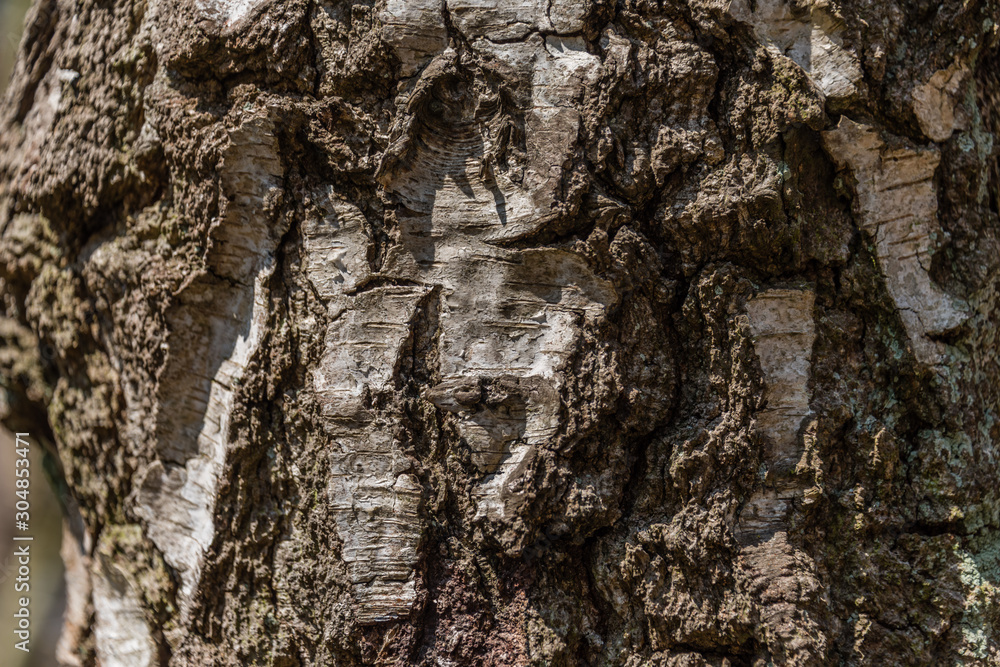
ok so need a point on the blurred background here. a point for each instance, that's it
(48, 588)
(11, 21)
(47, 584)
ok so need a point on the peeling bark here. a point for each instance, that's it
(463, 332)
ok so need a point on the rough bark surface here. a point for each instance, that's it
(548, 332)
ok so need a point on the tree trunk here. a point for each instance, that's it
(479, 333)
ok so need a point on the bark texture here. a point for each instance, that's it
(544, 332)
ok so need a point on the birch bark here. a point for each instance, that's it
(469, 332)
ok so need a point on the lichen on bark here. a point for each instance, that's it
(482, 333)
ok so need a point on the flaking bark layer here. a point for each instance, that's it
(466, 332)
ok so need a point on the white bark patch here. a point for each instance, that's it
(121, 634)
(242, 240)
(230, 12)
(568, 16)
(416, 30)
(451, 178)
(509, 21)
(45, 111)
(215, 329)
(376, 501)
(810, 37)
(499, 21)
(504, 313)
(363, 346)
(505, 451)
(501, 315)
(178, 501)
(334, 247)
(514, 313)
(781, 321)
(377, 508)
(897, 202)
(934, 102)
(783, 329)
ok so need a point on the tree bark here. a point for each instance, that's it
(544, 332)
